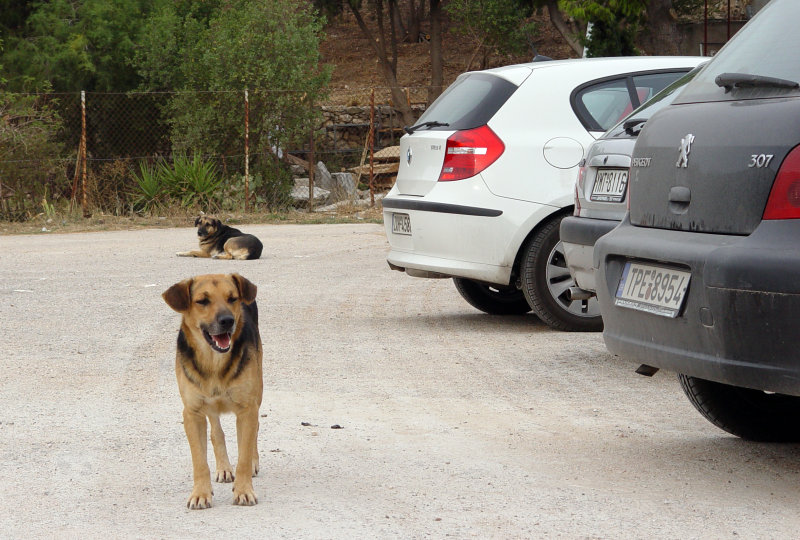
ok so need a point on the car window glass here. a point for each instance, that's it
(469, 102)
(654, 104)
(606, 103)
(767, 46)
(649, 85)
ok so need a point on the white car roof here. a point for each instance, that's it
(517, 73)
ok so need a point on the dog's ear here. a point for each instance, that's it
(246, 289)
(177, 297)
(197, 221)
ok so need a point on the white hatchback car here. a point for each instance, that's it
(489, 171)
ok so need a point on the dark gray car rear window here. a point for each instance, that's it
(469, 102)
(767, 46)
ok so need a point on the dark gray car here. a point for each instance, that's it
(702, 277)
(600, 188)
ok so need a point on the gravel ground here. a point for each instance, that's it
(454, 423)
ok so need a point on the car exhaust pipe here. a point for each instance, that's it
(576, 293)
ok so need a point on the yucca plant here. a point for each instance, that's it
(193, 181)
(151, 187)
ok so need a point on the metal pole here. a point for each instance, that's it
(705, 29)
(84, 200)
(311, 169)
(371, 148)
(246, 151)
(729, 20)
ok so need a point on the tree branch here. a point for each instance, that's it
(557, 18)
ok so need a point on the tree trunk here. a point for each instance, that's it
(388, 69)
(567, 31)
(437, 64)
(661, 35)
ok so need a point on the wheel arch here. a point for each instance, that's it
(515, 269)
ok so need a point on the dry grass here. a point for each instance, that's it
(74, 222)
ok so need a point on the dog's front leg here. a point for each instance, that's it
(224, 469)
(247, 435)
(194, 423)
(202, 254)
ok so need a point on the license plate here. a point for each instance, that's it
(654, 289)
(401, 224)
(609, 186)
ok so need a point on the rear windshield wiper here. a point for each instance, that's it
(412, 129)
(632, 123)
(739, 80)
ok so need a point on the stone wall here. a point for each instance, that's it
(346, 127)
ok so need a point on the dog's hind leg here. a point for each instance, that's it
(224, 469)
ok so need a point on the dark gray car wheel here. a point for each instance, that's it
(546, 281)
(750, 414)
(492, 299)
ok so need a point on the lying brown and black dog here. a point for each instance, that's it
(223, 242)
(218, 366)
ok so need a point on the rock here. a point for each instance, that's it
(300, 193)
(344, 185)
(322, 177)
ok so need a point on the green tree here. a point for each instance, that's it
(28, 153)
(270, 47)
(71, 45)
(615, 24)
(493, 26)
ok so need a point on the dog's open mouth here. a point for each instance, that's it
(220, 342)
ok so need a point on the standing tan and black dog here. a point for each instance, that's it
(223, 242)
(218, 366)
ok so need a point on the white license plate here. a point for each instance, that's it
(401, 224)
(609, 186)
(655, 289)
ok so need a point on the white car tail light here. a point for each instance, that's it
(784, 199)
(579, 187)
(470, 152)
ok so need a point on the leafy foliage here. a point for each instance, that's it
(271, 47)
(614, 24)
(70, 46)
(28, 125)
(493, 25)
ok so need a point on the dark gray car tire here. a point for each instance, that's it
(750, 414)
(492, 299)
(546, 278)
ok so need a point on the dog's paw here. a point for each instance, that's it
(224, 476)
(199, 501)
(182, 254)
(244, 496)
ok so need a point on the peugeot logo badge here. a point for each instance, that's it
(409, 155)
(684, 149)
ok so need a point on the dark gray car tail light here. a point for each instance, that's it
(784, 198)
(469, 152)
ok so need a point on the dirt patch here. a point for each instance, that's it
(356, 69)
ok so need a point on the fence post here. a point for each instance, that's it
(371, 148)
(246, 151)
(84, 200)
(311, 165)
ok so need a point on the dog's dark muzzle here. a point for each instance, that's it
(218, 334)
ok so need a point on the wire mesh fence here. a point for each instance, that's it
(137, 152)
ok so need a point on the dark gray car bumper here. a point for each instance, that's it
(739, 324)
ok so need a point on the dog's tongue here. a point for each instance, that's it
(223, 341)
